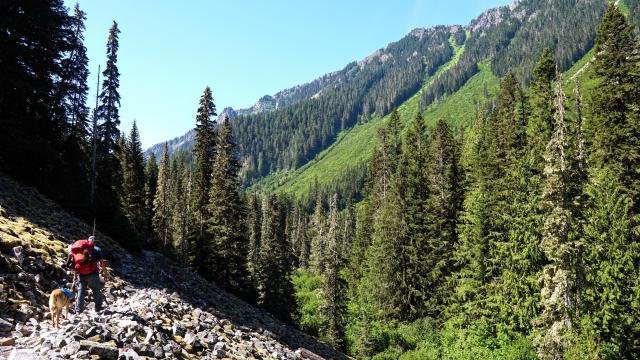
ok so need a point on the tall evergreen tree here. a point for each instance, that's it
(151, 174)
(72, 90)
(610, 260)
(226, 224)
(484, 244)
(445, 198)
(318, 228)
(612, 133)
(254, 224)
(274, 263)
(540, 123)
(180, 185)
(334, 286)
(296, 233)
(558, 299)
(75, 75)
(614, 125)
(415, 162)
(203, 152)
(348, 231)
(385, 279)
(161, 209)
(108, 174)
(133, 184)
(35, 38)
(305, 242)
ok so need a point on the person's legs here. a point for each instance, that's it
(82, 288)
(96, 288)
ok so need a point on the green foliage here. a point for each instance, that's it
(274, 268)
(161, 207)
(334, 286)
(133, 184)
(309, 298)
(203, 152)
(614, 124)
(107, 114)
(151, 185)
(226, 225)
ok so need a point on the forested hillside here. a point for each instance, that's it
(509, 37)
(516, 239)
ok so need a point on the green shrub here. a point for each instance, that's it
(308, 287)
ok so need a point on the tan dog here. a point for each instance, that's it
(59, 301)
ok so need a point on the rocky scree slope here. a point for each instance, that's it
(154, 308)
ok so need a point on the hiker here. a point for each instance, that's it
(87, 260)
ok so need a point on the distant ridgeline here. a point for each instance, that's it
(284, 132)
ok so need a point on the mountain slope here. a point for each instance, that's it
(453, 95)
(356, 146)
(154, 308)
(288, 143)
(293, 134)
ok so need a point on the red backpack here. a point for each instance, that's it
(81, 251)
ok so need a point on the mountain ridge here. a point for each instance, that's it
(291, 96)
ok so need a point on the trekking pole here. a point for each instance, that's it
(94, 227)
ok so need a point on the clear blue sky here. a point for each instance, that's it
(243, 49)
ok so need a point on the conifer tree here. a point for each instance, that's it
(348, 231)
(108, 174)
(133, 187)
(34, 39)
(254, 224)
(305, 242)
(203, 152)
(151, 174)
(415, 162)
(475, 252)
(385, 280)
(540, 123)
(612, 133)
(226, 225)
(180, 185)
(558, 277)
(334, 286)
(517, 289)
(296, 232)
(610, 260)
(444, 202)
(614, 125)
(484, 243)
(73, 89)
(161, 209)
(274, 263)
(75, 77)
(318, 237)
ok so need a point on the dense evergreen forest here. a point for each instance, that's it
(516, 238)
